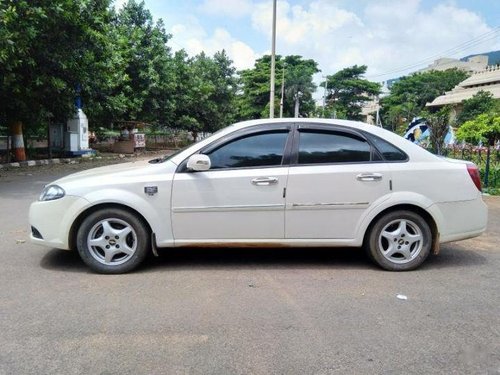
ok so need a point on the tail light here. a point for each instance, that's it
(474, 175)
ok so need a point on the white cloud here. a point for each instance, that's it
(194, 39)
(296, 24)
(227, 8)
(385, 35)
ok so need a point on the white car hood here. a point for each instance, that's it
(116, 171)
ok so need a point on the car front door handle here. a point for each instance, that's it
(265, 181)
(369, 177)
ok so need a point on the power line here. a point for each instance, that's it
(460, 48)
(476, 40)
(452, 51)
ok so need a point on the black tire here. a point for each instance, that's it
(120, 239)
(399, 241)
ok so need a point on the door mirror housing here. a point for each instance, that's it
(198, 163)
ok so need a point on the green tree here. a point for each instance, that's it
(438, 124)
(204, 93)
(347, 90)
(299, 86)
(147, 81)
(484, 128)
(253, 98)
(410, 94)
(47, 48)
(480, 103)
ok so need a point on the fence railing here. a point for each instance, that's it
(478, 155)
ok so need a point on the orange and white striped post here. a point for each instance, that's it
(17, 141)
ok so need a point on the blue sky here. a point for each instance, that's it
(391, 37)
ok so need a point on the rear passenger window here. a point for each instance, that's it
(317, 147)
(387, 150)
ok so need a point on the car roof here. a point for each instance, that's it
(275, 121)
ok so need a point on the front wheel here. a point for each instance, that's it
(112, 241)
(399, 241)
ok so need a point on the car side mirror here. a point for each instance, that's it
(198, 163)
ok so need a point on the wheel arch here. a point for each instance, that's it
(90, 210)
(429, 219)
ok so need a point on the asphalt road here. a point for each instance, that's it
(252, 311)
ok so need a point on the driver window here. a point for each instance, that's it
(254, 150)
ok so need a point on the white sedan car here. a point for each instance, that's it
(283, 182)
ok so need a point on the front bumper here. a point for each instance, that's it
(53, 220)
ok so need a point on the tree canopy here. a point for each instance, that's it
(347, 90)
(254, 87)
(204, 92)
(120, 60)
(410, 94)
(146, 83)
(438, 124)
(47, 49)
(485, 128)
(480, 103)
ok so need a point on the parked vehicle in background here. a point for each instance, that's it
(282, 182)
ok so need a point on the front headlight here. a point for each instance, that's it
(51, 192)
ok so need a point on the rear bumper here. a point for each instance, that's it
(460, 220)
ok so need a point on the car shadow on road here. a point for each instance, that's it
(220, 258)
(63, 260)
(246, 258)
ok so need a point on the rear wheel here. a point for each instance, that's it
(399, 241)
(112, 241)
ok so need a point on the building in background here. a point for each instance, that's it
(472, 64)
(370, 111)
(486, 80)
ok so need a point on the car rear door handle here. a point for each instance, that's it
(369, 177)
(264, 181)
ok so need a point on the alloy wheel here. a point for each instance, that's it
(400, 241)
(112, 241)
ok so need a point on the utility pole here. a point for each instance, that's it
(324, 94)
(378, 121)
(297, 98)
(282, 90)
(273, 62)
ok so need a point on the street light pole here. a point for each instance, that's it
(378, 121)
(297, 98)
(324, 94)
(282, 90)
(273, 62)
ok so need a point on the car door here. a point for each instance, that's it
(335, 177)
(241, 196)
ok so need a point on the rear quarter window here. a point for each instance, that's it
(388, 151)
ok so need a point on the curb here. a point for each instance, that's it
(74, 160)
(32, 163)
